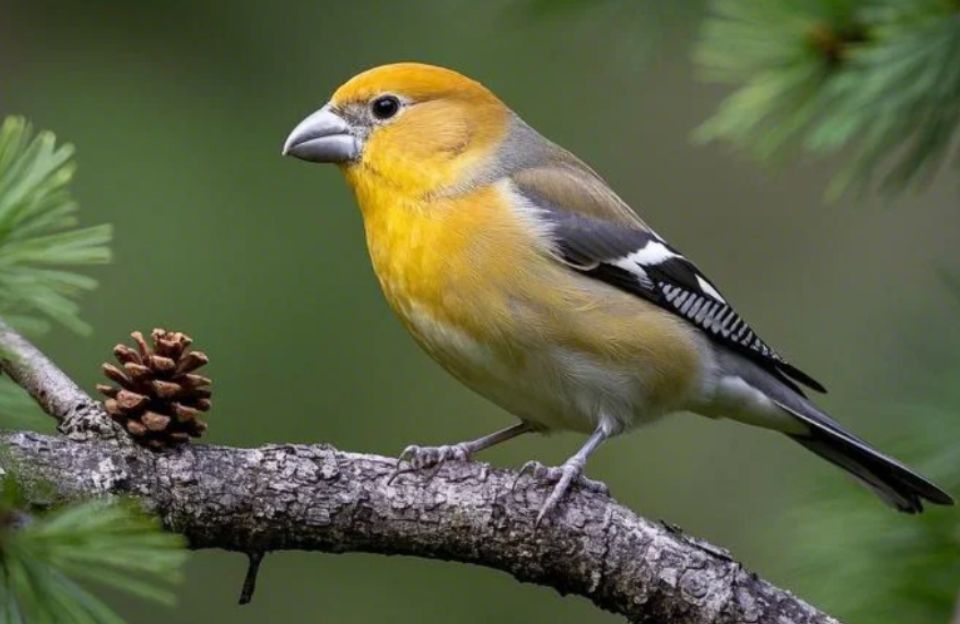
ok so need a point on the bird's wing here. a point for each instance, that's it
(597, 235)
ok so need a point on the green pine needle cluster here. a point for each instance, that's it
(38, 233)
(38, 239)
(42, 557)
(877, 79)
(111, 543)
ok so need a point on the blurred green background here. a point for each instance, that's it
(178, 110)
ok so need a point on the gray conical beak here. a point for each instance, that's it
(323, 137)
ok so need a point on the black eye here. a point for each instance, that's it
(385, 106)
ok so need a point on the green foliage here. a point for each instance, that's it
(38, 233)
(878, 79)
(38, 237)
(42, 557)
(113, 544)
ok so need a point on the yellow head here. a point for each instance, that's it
(416, 128)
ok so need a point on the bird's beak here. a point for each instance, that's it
(323, 137)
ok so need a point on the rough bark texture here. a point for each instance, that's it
(319, 498)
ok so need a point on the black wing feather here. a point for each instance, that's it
(607, 251)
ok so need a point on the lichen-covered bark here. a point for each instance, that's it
(319, 498)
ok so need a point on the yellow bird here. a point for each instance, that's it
(518, 269)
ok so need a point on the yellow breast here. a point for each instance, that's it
(449, 258)
(470, 281)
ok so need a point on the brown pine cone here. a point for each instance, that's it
(160, 397)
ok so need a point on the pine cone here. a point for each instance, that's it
(160, 397)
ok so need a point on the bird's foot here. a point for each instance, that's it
(564, 476)
(420, 458)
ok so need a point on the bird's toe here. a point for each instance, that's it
(563, 477)
(419, 458)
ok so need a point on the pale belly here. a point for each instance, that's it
(548, 386)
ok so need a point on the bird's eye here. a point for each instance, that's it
(385, 106)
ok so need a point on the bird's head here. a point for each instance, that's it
(415, 127)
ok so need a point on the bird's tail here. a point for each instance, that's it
(898, 486)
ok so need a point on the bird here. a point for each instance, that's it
(519, 270)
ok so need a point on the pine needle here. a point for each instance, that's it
(877, 79)
(38, 230)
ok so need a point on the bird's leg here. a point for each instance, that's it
(565, 475)
(422, 457)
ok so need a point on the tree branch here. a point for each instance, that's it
(51, 388)
(318, 498)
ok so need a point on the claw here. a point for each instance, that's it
(420, 458)
(532, 467)
(568, 472)
(565, 476)
(397, 471)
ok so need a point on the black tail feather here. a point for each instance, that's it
(897, 485)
